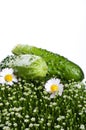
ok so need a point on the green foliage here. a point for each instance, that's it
(5, 62)
(27, 106)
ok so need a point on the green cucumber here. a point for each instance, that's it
(58, 66)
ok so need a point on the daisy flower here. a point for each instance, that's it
(7, 76)
(54, 86)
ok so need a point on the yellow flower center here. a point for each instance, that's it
(54, 88)
(8, 77)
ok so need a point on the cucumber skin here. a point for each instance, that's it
(58, 66)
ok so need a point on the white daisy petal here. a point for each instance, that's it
(6, 71)
(15, 80)
(10, 71)
(52, 95)
(7, 76)
(2, 81)
(60, 93)
(10, 83)
(53, 86)
(56, 81)
(2, 74)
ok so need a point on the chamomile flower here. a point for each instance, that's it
(54, 86)
(7, 76)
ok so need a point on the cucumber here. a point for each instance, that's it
(58, 66)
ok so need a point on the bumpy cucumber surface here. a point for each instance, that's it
(58, 66)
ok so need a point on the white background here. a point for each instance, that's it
(56, 25)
